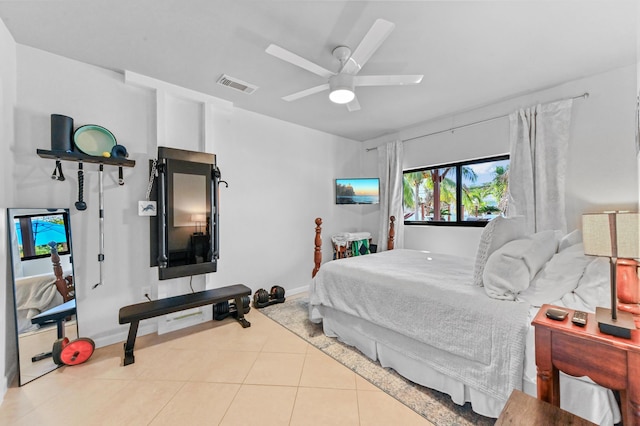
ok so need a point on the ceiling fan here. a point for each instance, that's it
(341, 84)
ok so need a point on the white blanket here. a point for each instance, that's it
(430, 298)
(34, 295)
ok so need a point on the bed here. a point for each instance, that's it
(462, 326)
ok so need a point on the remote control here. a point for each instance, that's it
(579, 318)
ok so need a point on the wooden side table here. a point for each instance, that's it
(524, 410)
(610, 361)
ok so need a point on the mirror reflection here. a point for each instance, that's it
(43, 286)
(188, 242)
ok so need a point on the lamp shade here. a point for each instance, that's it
(628, 235)
(611, 234)
(598, 234)
(198, 218)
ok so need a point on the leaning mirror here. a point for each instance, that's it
(43, 286)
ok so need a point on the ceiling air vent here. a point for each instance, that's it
(234, 83)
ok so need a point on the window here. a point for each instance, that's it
(467, 193)
(36, 233)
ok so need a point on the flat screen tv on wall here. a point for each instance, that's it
(358, 191)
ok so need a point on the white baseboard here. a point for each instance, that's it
(120, 336)
(297, 290)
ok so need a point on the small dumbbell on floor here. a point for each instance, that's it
(262, 298)
(222, 310)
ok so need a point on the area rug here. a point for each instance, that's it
(432, 405)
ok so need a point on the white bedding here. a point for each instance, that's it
(430, 298)
(34, 295)
(427, 332)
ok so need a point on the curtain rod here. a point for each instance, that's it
(585, 95)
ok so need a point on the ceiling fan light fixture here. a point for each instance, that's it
(341, 96)
(341, 89)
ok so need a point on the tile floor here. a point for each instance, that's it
(214, 373)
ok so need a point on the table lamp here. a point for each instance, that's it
(613, 235)
(199, 219)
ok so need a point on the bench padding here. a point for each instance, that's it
(155, 308)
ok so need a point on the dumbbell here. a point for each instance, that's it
(262, 298)
(221, 310)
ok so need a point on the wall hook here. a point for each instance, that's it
(226, 185)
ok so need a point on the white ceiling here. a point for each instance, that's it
(471, 53)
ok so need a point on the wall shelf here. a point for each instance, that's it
(77, 156)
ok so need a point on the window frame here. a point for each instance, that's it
(458, 168)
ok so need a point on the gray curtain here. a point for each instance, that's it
(539, 139)
(390, 158)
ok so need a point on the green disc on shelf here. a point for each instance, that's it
(94, 140)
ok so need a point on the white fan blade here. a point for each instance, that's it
(299, 61)
(386, 80)
(306, 92)
(377, 34)
(354, 105)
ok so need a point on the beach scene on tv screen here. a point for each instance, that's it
(357, 191)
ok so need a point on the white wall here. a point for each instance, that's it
(601, 170)
(7, 102)
(280, 179)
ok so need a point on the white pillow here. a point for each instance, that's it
(594, 287)
(497, 233)
(511, 268)
(572, 238)
(558, 277)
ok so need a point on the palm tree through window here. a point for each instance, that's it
(469, 192)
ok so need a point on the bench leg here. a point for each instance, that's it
(240, 308)
(131, 341)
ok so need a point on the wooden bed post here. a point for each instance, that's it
(392, 233)
(317, 255)
(65, 288)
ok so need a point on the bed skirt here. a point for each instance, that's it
(579, 395)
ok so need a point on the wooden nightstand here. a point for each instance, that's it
(610, 361)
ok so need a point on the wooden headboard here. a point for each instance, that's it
(317, 252)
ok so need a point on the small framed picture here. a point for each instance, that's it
(147, 208)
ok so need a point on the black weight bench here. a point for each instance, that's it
(135, 313)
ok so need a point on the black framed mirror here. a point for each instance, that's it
(184, 234)
(43, 286)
